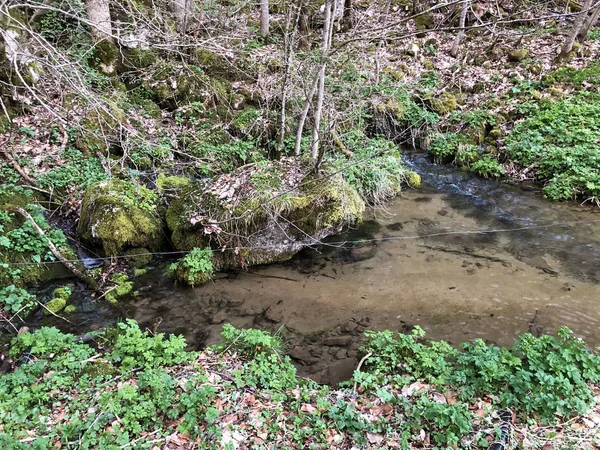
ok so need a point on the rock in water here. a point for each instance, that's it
(262, 213)
(117, 215)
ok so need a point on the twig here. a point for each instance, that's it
(364, 358)
(53, 313)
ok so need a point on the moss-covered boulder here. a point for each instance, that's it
(518, 55)
(59, 300)
(117, 215)
(443, 104)
(263, 213)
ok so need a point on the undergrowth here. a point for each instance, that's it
(144, 388)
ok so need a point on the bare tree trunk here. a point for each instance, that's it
(304, 27)
(347, 19)
(461, 33)
(302, 119)
(264, 18)
(98, 12)
(181, 13)
(577, 25)
(327, 30)
(589, 22)
(289, 54)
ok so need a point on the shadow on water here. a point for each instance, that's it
(463, 257)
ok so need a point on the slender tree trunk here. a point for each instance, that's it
(302, 119)
(264, 18)
(327, 30)
(304, 27)
(289, 54)
(589, 22)
(105, 50)
(347, 19)
(577, 25)
(461, 33)
(181, 13)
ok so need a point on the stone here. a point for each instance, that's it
(116, 215)
(338, 341)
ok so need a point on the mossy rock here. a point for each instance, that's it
(217, 66)
(175, 87)
(29, 274)
(116, 215)
(136, 58)
(443, 104)
(173, 183)
(274, 226)
(413, 180)
(60, 297)
(105, 57)
(138, 257)
(150, 108)
(518, 55)
(98, 130)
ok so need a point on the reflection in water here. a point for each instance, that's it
(417, 261)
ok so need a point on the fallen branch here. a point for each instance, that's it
(57, 254)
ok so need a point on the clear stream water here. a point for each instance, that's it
(463, 257)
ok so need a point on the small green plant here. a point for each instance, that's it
(376, 169)
(78, 170)
(194, 268)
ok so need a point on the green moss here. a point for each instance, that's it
(518, 55)
(122, 286)
(444, 104)
(55, 305)
(139, 272)
(99, 369)
(117, 215)
(172, 183)
(138, 257)
(62, 292)
(424, 21)
(70, 309)
(137, 58)
(414, 180)
(105, 56)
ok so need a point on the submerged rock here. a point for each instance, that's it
(117, 215)
(263, 213)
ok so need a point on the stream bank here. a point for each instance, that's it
(463, 257)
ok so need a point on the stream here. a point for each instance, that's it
(462, 257)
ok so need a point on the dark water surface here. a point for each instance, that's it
(463, 257)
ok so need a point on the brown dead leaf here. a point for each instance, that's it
(451, 397)
(307, 408)
(375, 439)
(548, 446)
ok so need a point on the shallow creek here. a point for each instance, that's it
(462, 257)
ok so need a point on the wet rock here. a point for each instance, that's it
(301, 354)
(341, 354)
(338, 341)
(218, 318)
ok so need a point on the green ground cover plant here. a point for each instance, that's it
(134, 388)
